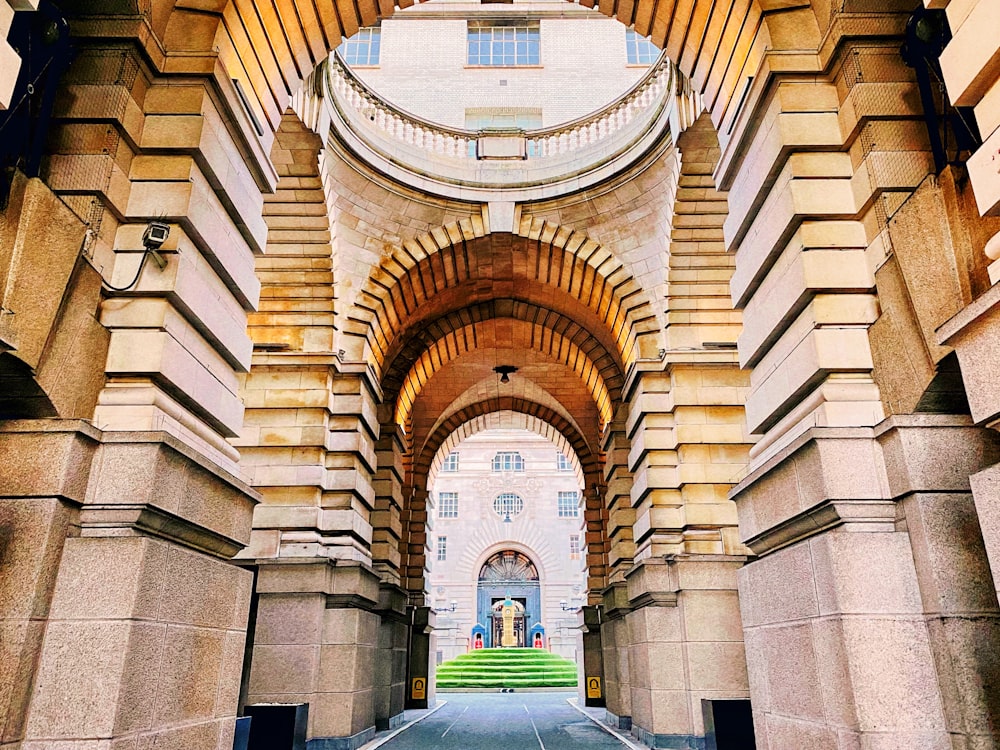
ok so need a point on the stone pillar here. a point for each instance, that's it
(680, 606)
(416, 520)
(685, 644)
(590, 660)
(141, 586)
(317, 633)
(617, 499)
(423, 648)
(390, 657)
(387, 523)
(975, 333)
(870, 576)
(38, 509)
(615, 643)
(929, 460)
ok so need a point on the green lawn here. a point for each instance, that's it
(507, 667)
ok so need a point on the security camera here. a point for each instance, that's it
(155, 235)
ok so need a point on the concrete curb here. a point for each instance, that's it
(379, 741)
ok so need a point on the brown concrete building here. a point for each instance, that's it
(754, 297)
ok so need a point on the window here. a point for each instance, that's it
(450, 462)
(564, 464)
(569, 504)
(447, 505)
(508, 505)
(639, 50)
(508, 461)
(363, 47)
(574, 546)
(442, 548)
(503, 44)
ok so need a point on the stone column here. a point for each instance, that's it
(590, 661)
(317, 632)
(929, 460)
(43, 481)
(387, 524)
(871, 577)
(423, 649)
(617, 499)
(680, 605)
(140, 586)
(615, 644)
(390, 657)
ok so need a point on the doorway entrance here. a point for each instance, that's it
(497, 626)
(508, 574)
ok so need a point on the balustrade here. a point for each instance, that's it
(364, 109)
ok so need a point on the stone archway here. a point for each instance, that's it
(820, 144)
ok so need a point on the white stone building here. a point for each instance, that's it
(506, 491)
(472, 65)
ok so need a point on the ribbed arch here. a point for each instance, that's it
(507, 412)
(579, 279)
(531, 328)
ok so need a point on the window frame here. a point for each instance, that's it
(450, 512)
(450, 463)
(575, 547)
(519, 44)
(363, 38)
(508, 461)
(639, 47)
(441, 549)
(508, 504)
(563, 509)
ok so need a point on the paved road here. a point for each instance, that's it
(505, 721)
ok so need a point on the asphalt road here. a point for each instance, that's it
(505, 721)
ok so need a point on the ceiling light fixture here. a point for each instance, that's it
(505, 372)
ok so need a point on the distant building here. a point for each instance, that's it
(507, 521)
(498, 65)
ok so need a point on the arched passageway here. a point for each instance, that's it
(806, 197)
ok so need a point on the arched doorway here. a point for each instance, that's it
(508, 574)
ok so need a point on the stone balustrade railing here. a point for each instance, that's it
(642, 99)
(497, 159)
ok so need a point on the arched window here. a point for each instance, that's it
(508, 565)
(508, 461)
(508, 505)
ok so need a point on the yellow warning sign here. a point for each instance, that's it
(419, 689)
(593, 687)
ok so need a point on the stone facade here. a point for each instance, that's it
(767, 336)
(547, 531)
(582, 64)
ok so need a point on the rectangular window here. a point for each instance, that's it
(363, 47)
(574, 547)
(508, 461)
(639, 50)
(450, 462)
(569, 504)
(447, 505)
(504, 44)
(563, 462)
(442, 548)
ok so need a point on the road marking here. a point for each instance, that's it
(378, 743)
(455, 722)
(621, 738)
(537, 735)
